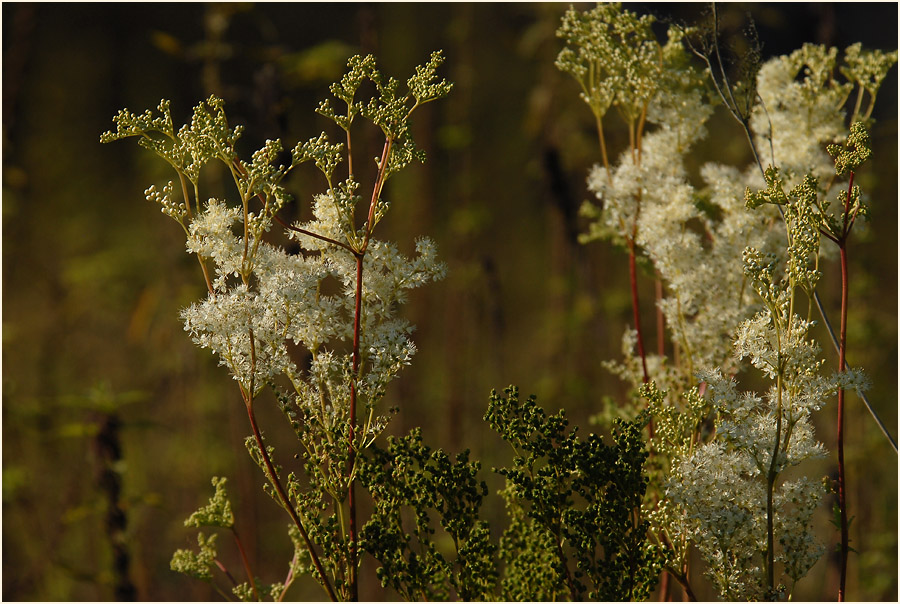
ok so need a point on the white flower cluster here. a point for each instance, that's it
(757, 438)
(724, 512)
(250, 326)
(803, 103)
(730, 271)
(694, 238)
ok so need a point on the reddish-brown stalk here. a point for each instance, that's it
(226, 572)
(357, 320)
(842, 479)
(187, 206)
(248, 402)
(682, 578)
(635, 306)
(842, 365)
(245, 562)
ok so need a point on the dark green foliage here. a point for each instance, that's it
(581, 500)
(531, 564)
(409, 482)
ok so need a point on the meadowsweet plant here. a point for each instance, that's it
(263, 301)
(732, 278)
(700, 466)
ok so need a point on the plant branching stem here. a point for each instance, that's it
(746, 127)
(289, 580)
(683, 581)
(357, 323)
(842, 485)
(862, 395)
(603, 152)
(187, 205)
(660, 319)
(842, 360)
(248, 400)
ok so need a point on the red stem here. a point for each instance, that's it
(284, 498)
(357, 320)
(222, 568)
(685, 585)
(311, 234)
(246, 562)
(632, 272)
(842, 490)
(842, 365)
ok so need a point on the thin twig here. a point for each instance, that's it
(862, 395)
(246, 563)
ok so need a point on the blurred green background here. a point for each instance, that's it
(106, 399)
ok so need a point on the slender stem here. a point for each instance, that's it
(640, 132)
(246, 563)
(842, 360)
(187, 205)
(376, 190)
(311, 234)
(226, 572)
(209, 285)
(349, 155)
(770, 492)
(862, 395)
(635, 306)
(859, 97)
(682, 579)
(664, 586)
(603, 152)
(660, 319)
(351, 462)
(842, 484)
(725, 83)
(357, 321)
(248, 400)
(289, 580)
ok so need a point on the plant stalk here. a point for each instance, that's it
(246, 563)
(842, 362)
(351, 462)
(842, 478)
(635, 306)
(248, 400)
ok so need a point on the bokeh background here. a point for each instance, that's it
(105, 398)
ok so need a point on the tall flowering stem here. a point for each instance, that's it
(615, 57)
(842, 366)
(357, 321)
(847, 158)
(842, 477)
(262, 300)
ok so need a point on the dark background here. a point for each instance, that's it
(100, 381)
